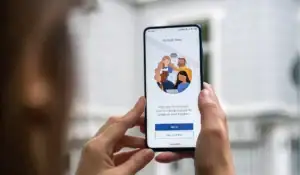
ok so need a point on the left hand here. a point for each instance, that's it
(101, 154)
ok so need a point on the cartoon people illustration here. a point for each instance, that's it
(170, 78)
(166, 61)
(182, 67)
(183, 81)
(163, 82)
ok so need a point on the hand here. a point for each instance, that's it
(212, 154)
(101, 155)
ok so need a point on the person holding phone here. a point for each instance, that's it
(36, 94)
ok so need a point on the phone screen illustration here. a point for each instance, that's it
(172, 85)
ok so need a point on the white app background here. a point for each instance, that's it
(160, 43)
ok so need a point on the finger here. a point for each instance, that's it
(143, 129)
(120, 158)
(131, 142)
(109, 122)
(212, 115)
(117, 130)
(168, 157)
(134, 115)
(208, 87)
(136, 162)
(212, 91)
(141, 121)
(112, 120)
(208, 106)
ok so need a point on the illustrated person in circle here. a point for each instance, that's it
(182, 67)
(166, 61)
(183, 81)
(164, 83)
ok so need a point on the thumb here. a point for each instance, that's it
(208, 107)
(136, 162)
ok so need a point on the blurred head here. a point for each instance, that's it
(164, 75)
(181, 62)
(35, 85)
(166, 60)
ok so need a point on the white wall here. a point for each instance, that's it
(258, 46)
(108, 55)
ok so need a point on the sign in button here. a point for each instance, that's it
(174, 127)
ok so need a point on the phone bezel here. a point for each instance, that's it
(183, 149)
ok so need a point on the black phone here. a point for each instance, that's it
(173, 79)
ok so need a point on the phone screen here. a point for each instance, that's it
(172, 85)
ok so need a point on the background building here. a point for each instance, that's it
(251, 47)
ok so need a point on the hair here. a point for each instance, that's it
(32, 132)
(166, 57)
(183, 59)
(178, 81)
(164, 74)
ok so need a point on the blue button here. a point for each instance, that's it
(174, 127)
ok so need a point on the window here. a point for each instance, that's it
(296, 72)
(295, 145)
(206, 66)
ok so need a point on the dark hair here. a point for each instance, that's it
(32, 136)
(178, 81)
(164, 74)
(182, 58)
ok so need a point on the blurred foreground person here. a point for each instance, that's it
(36, 93)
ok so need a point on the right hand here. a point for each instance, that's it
(212, 154)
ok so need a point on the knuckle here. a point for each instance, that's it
(89, 147)
(113, 119)
(210, 105)
(218, 133)
(94, 145)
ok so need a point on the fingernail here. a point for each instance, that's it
(148, 151)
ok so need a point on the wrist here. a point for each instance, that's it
(228, 170)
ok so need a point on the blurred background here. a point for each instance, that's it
(252, 55)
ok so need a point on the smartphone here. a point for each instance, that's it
(173, 80)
